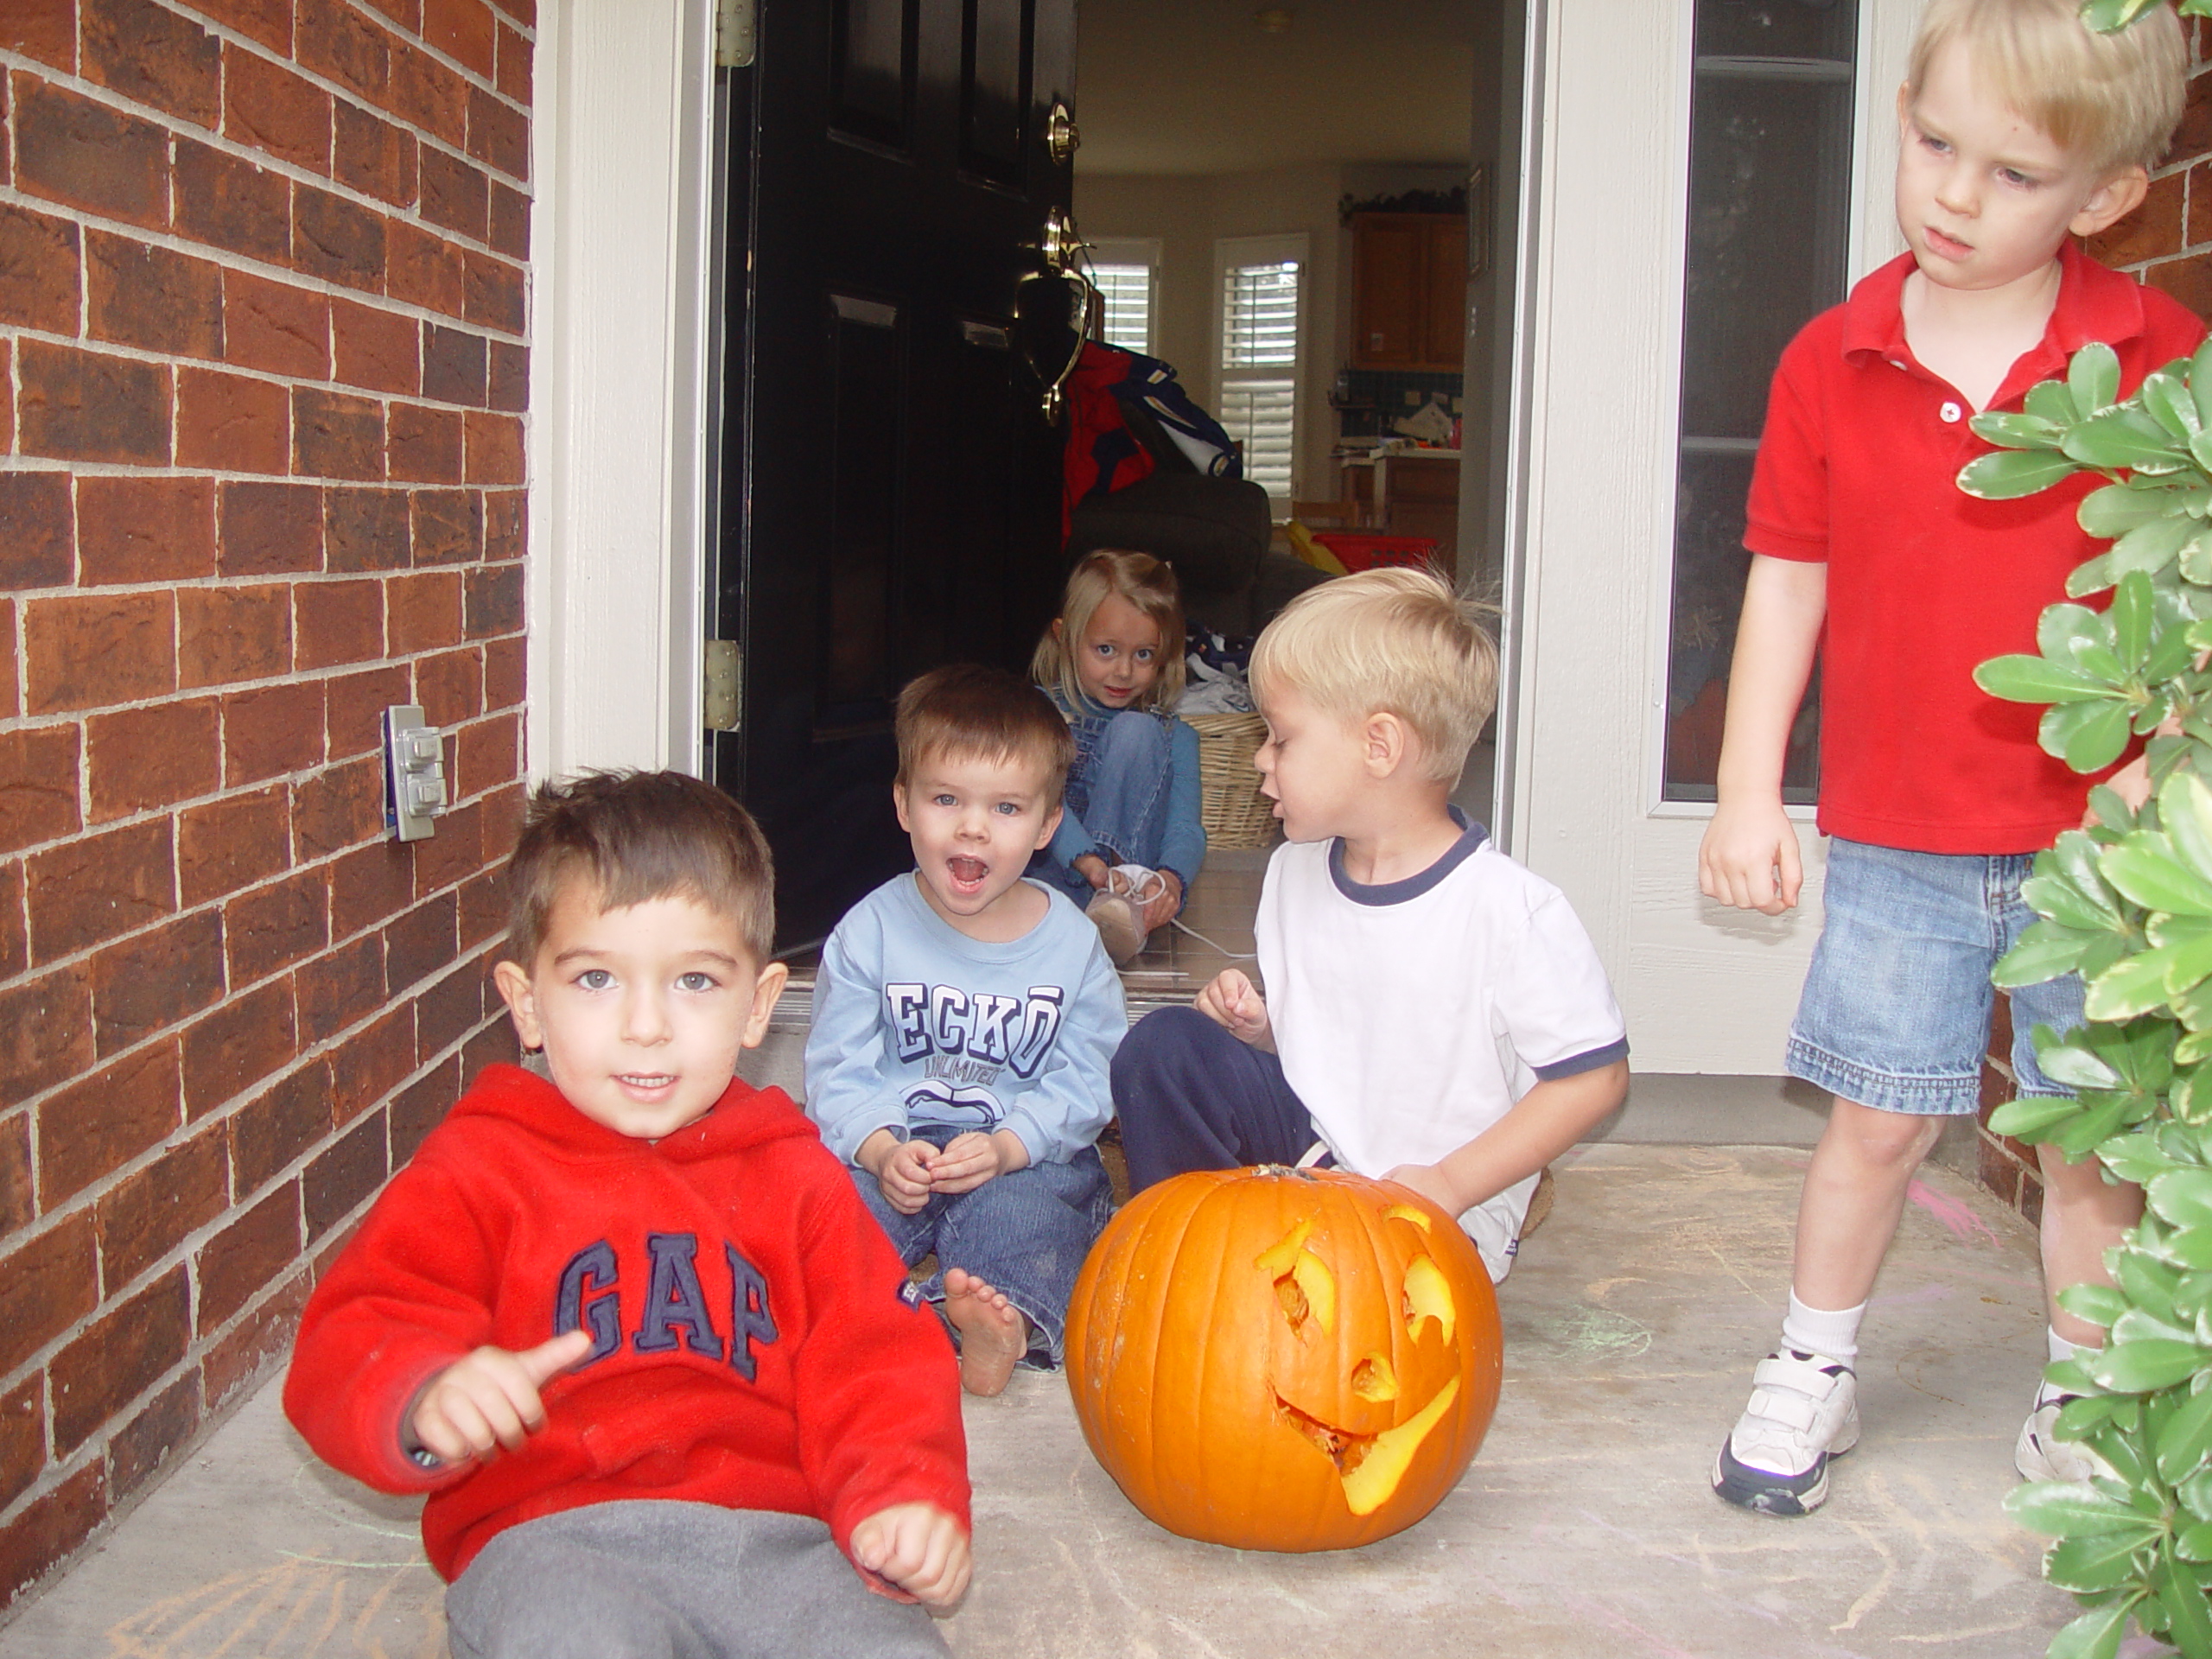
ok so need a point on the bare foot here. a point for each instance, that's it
(993, 1333)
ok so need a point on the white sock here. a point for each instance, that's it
(1818, 1331)
(2062, 1348)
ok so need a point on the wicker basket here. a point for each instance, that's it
(1230, 806)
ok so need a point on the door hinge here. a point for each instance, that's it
(721, 702)
(736, 32)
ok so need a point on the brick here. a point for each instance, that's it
(225, 845)
(340, 806)
(422, 942)
(2194, 136)
(336, 239)
(78, 405)
(337, 990)
(425, 269)
(23, 1436)
(420, 1107)
(504, 515)
(448, 526)
(494, 448)
(372, 1063)
(86, 651)
(46, 1035)
(356, 704)
(2188, 280)
(137, 1451)
(512, 75)
(269, 529)
(450, 686)
(15, 957)
(38, 786)
(94, 888)
(335, 434)
(337, 622)
(375, 350)
(233, 633)
(503, 814)
(464, 30)
(369, 886)
(510, 232)
(153, 56)
(494, 1046)
(374, 156)
(336, 41)
(408, 14)
(339, 1181)
(426, 95)
(47, 1285)
(276, 1126)
(156, 979)
(523, 11)
(227, 202)
(2153, 229)
(251, 1348)
(40, 273)
(423, 444)
(139, 759)
(483, 906)
(233, 422)
(493, 293)
(366, 530)
(504, 661)
(454, 853)
(236, 1045)
(487, 753)
(455, 195)
(17, 1205)
(450, 1010)
(88, 154)
(46, 30)
(267, 106)
(7, 370)
(153, 298)
(454, 365)
(275, 328)
(269, 733)
(102, 1122)
(144, 530)
(49, 1527)
(271, 927)
(499, 134)
(422, 612)
(509, 387)
(120, 1355)
(269, 22)
(2200, 204)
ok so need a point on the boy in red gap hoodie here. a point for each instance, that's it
(631, 1330)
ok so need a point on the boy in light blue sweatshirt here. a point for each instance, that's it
(963, 1020)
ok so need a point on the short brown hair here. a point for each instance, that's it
(636, 836)
(2113, 99)
(967, 711)
(1148, 583)
(1388, 640)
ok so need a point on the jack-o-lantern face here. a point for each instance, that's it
(1284, 1359)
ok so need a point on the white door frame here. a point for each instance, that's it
(1706, 988)
(619, 416)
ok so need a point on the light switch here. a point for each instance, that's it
(414, 772)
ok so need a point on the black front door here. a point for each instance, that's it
(890, 488)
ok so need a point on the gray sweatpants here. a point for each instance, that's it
(656, 1579)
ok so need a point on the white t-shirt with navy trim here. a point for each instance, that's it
(1411, 1016)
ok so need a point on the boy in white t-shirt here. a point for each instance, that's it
(1435, 1014)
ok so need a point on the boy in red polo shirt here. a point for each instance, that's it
(2019, 130)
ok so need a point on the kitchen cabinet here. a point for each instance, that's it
(1408, 291)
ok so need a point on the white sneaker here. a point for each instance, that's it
(2039, 1454)
(1120, 928)
(1804, 1410)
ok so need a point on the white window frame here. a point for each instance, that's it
(1234, 252)
(1128, 252)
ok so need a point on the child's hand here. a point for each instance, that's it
(1749, 856)
(490, 1399)
(906, 1174)
(1161, 910)
(1092, 868)
(1430, 1182)
(969, 1159)
(919, 1548)
(1231, 1000)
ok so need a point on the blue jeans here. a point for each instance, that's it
(1895, 1012)
(1117, 789)
(1026, 1233)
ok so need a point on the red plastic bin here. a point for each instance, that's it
(1358, 552)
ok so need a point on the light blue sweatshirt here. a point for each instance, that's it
(915, 1023)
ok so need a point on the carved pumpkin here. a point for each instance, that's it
(1283, 1359)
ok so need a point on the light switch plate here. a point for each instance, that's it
(414, 772)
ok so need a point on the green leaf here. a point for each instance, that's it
(2134, 1158)
(2062, 628)
(2086, 736)
(2096, 1634)
(2195, 1543)
(2094, 375)
(2075, 1066)
(2052, 400)
(2196, 560)
(2059, 1509)
(2023, 431)
(2140, 1367)
(2065, 905)
(2131, 986)
(2190, 1628)
(2007, 474)
(2150, 547)
(2147, 1283)
(2184, 1196)
(2146, 868)
(2131, 615)
(2030, 1116)
(2117, 508)
(2101, 1562)
(2186, 1437)
(2036, 679)
(2169, 403)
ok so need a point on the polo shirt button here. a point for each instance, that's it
(1950, 412)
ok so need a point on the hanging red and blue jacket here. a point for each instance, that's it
(1103, 454)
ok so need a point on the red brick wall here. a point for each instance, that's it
(263, 316)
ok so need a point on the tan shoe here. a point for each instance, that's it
(1119, 926)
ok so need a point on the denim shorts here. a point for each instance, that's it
(1895, 1012)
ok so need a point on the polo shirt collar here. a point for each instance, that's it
(2094, 303)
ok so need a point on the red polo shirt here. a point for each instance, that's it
(1858, 466)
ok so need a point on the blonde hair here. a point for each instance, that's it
(1148, 583)
(967, 712)
(2113, 99)
(1387, 641)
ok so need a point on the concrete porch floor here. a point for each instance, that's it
(1584, 1525)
